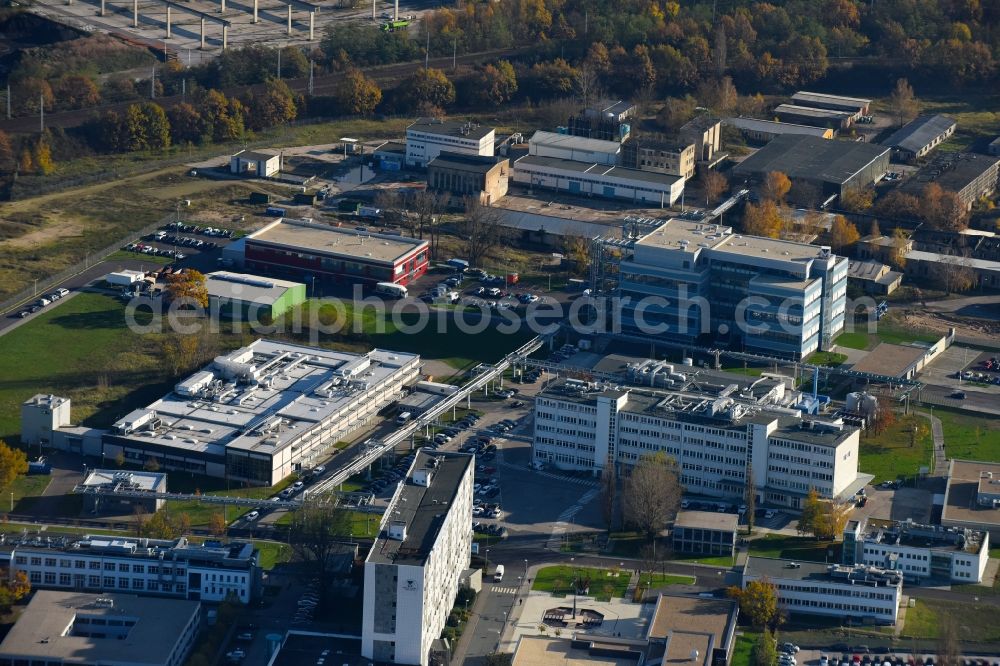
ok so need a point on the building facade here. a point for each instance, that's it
(776, 297)
(969, 175)
(153, 567)
(705, 533)
(589, 179)
(860, 594)
(857, 106)
(673, 159)
(304, 251)
(919, 552)
(252, 297)
(715, 441)
(484, 178)
(762, 131)
(705, 132)
(413, 569)
(428, 137)
(575, 148)
(261, 412)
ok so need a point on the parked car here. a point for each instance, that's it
(252, 516)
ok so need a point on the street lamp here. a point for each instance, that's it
(572, 561)
(487, 561)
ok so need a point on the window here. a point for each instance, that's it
(109, 566)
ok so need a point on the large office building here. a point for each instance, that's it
(833, 168)
(772, 296)
(592, 179)
(716, 439)
(174, 568)
(920, 136)
(919, 552)
(482, 178)
(412, 571)
(75, 628)
(305, 251)
(860, 594)
(968, 175)
(261, 412)
(428, 137)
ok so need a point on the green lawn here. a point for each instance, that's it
(647, 579)
(200, 512)
(748, 371)
(898, 451)
(25, 488)
(886, 331)
(125, 255)
(852, 340)
(827, 358)
(743, 650)
(968, 437)
(977, 622)
(713, 560)
(806, 549)
(98, 363)
(604, 583)
(272, 553)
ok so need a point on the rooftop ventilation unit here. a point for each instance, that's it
(397, 530)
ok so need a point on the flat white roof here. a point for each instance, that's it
(569, 141)
(245, 287)
(334, 241)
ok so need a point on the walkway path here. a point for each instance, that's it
(940, 464)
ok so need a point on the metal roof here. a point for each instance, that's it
(918, 134)
(811, 158)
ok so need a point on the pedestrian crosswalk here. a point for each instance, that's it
(504, 590)
(562, 522)
(590, 483)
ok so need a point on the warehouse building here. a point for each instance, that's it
(597, 180)
(263, 411)
(859, 594)
(252, 297)
(832, 167)
(705, 533)
(152, 567)
(762, 131)
(259, 163)
(919, 552)
(484, 178)
(854, 105)
(714, 437)
(428, 137)
(413, 569)
(969, 175)
(307, 251)
(807, 115)
(691, 264)
(66, 628)
(576, 148)
(972, 496)
(918, 137)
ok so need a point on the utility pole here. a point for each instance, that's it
(586, 21)
(279, 63)
(152, 84)
(310, 77)
(183, 90)
(454, 53)
(41, 114)
(8, 101)
(427, 52)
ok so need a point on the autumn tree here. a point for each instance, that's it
(675, 112)
(719, 95)
(714, 184)
(163, 525)
(188, 287)
(42, 156)
(429, 87)
(576, 250)
(13, 589)
(953, 274)
(942, 209)
(652, 493)
(858, 199)
(356, 94)
(898, 205)
(186, 123)
(776, 186)
(223, 117)
(762, 219)
(765, 650)
(29, 93)
(902, 102)
(481, 230)
(822, 518)
(151, 464)
(899, 248)
(556, 78)
(273, 106)
(74, 91)
(843, 233)
(758, 602)
(217, 524)
(874, 231)
(6, 153)
(13, 462)
(493, 85)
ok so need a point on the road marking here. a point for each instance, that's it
(564, 519)
(505, 590)
(550, 475)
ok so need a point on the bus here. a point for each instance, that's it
(393, 26)
(391, 289)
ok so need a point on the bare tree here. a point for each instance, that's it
(609, 493)
(954, 274)
(750, 498)
(714, 184)
(426, 206)
(652, 493)
(389, 202)
(902, 102)
(481, 230)
(948, 648)
(587, 84)
(316, 534)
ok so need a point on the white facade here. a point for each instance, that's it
(865, 594)
(142, 566)
(597, 180)
(410, 589)
(577, 148)
(713, 441)
(427, 138)
(41, 415)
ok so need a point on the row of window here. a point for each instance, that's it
(122, 567)
(105, 582)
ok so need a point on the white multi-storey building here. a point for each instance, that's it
(179, 569)
(428, 137)
(919, 552)
(686, 279)
(715, 439)
(412, 572)
(862, 594)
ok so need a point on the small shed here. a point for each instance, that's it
(259, 163)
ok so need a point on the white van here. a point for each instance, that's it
(403, 418)
(498, 575)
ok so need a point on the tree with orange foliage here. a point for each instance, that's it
(762, 220)
(188, 285)
(776, 186)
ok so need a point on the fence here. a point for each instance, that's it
(44, 284)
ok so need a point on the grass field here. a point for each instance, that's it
(827, 358)
(743, 650)
(806, 549)
(968, 437)
(973, 622)
(604, 583)
(99, 362)
(201, 512)
(272, 553)
(890, 455)
(714, 560)
(886, 331)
